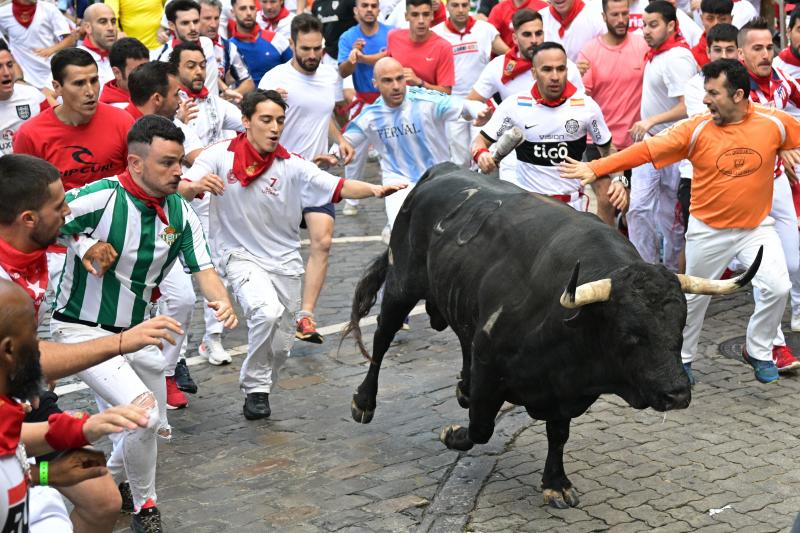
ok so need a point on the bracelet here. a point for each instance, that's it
(120, 343)
(477, 154)
(44, 469)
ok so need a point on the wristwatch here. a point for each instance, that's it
(623, 179)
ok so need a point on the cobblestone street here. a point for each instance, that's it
(727, 463)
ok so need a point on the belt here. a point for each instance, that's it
(64, 318)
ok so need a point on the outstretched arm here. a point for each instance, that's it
(633, 156)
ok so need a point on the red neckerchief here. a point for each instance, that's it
(23, 13)
(89, 45)
(273, 22)
(700, 51)
(569, 90)
(440, 15)
(574, 11)
(470, 23)
(248, 164)
(112, 94)
(245, 37)
(201, 94)
(157, 204)
(11, 416)
(675, 40)
(28, 270)
(789, 56)
(513, 65)
(765, 84)
(133, 111)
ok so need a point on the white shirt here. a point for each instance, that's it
(551, 134)
(397, 17)
(262, 221)
(489, 82)
(47, 28)
(235, 59)
(471, 53)
(665, 78)
(311, 99)
(583, 29)
(24, 103)
(690, 30)
(743, 12)
(14, 499)
(163, 52)
(792, 72)
(284, 26)
(103, 66)
(693, 95)
(214, 116)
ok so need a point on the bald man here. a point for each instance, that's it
(100, 25)
(409, 141)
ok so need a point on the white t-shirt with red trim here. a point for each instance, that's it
(471, 52)
(583, 28)
(25, 103)
(490, 80)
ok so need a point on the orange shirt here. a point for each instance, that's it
(733, 164)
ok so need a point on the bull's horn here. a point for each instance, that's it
(696, 285)
(588, 293)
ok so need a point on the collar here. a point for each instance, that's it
(513, 65)
(248, 164)
(89, 45)
(245, 37)
(577, 7)
(273, 22)
(765, 84)
(23, 12)
(11, 416)
(201, 94)
(470, 23)
(112, 94)
(133, 111)
(133, 188)
(569, 90)
(789, 56)
(675, 40)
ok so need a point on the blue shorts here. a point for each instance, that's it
(328, 209)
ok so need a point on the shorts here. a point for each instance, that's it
(593, 153)
(328, 209)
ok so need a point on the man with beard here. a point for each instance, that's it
(100, 25)
(572, 23)
(502, 13)
(126, 54)
(233, 72)
(309, 122)
(262, 50)
(613, 65)
(18, 101)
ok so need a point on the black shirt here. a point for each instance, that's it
(337, 17)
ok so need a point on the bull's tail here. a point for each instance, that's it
(364, 298)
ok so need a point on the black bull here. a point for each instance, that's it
(491, 262)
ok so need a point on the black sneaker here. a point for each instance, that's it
(147, 521)
(127, 497)
(256, 406)
(183, 379)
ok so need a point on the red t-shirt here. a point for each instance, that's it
(432, 59)
(83, 154)
(500, 16)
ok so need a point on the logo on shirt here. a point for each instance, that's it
(169, 235)
(465, 48)
(271, 187)
(24, 111)
(84, 157)
(572, 126)
(81, 152)
(398, 131)
(739, 162)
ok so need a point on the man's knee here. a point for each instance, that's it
(148, 402)
(270, 313)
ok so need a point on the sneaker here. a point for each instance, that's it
(386, 234)
(127, 497)
(307, 330)
(183, 379)
(212, 349)
(687, 367)
(765, 371)
(350, 210)
(784, 359)
(406, 326)
(795, 322)
(256, 405)
(175, 398)
(148, 520)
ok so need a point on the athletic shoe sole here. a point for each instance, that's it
(790, 369)
(314, 338)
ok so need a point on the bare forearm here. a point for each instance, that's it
(355, 189)
(33, 438)
(432, 87)
(671, 115)
(371, 59)
(346, 68)
(247, 86)
(62, 360)
(211, 286)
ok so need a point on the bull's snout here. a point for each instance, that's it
(678, 399)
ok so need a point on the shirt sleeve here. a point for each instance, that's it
(672, 144)
(356, 135)
(633, 156)
(345, 46)
(485, 86)
(597, 124)
(194, 255)
(319, 187)
(501, 120)
(22, 143)
(448, 107)
(237, 64)
(204, 164)
(233, 117)
(682, 69)
(445, 68)
(792, 127)
(86, 205)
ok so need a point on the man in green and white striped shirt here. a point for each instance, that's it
(141, 227)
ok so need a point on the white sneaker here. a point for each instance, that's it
(795, 322)
(350, 210)
(212, 348)
(386, 234)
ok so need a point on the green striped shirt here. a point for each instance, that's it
(146, 248)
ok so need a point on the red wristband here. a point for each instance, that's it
(65, 431)
(477, 154)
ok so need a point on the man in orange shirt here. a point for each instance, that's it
(732, 151)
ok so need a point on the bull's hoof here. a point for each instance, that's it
(463, 399)
(362, 416)
(456, 437)
(561, 499)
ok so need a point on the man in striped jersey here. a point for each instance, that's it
(149, 227)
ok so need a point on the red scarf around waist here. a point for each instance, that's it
(470, 23)
(513, 65)
(133, 188)
(788, 56)
(675, 40)
(89, 45)
(28, 270)
(23, 13)
(112, 94)
(569, 90)
(11, 416)
(248, 164)
(574, 11)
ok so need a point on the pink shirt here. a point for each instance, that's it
(432, 59)
(614, 80)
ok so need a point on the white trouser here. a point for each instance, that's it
(120, 381)
(269, 302)
(508, 168)
(201, 207)
(460, 134)
(708, 252)
(654, 194)
(395, 201)
(46, 511)
(177, 301)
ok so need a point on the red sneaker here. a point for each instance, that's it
(307, 330)
(175, 398)
(784, 359)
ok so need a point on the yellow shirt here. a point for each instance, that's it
(139, 18)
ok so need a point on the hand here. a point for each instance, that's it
(791, 159)
(359, 44)
(187, 111)
(283, 92)
(355, 55)
(231, 96)
(163, 36)
(224, 313)
(411, 77)
(45, 52)
(208, 183)
(325, 161)
(150, 333)
(483, 117)
(347, 151)
(583, 66)
(381, 191)
(99, 258)
(486, 163)
(115, 419)
(75, 466)
(640, 129)
(618, 196)
(576, 170)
